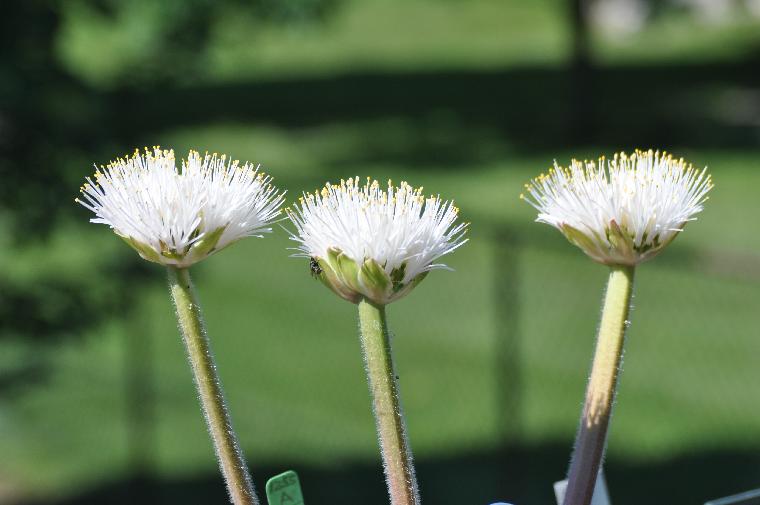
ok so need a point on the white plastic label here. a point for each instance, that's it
(601, 496)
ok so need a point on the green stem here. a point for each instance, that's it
(600, 394)
(231, 461)
(389, 419)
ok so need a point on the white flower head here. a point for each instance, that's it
(621, 211)
(178, 217)
(365, 241)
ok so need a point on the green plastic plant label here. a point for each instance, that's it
(284, 489)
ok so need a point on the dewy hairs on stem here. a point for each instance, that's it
(620, 212)
(371, 246)
(176, 218)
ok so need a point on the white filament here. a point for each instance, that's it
(650, 196)
(148, 199)
(393, 226)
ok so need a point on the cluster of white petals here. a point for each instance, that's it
(624, 210)
(397, 228)
(179, 216)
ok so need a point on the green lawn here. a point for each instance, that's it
(287, 348)
(386, 35)
(290, 360)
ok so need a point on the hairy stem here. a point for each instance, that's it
(389, 419)
(600, 393)
(193, 329)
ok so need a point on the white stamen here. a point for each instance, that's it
(625, 209)
(393, 226)
(147, 199)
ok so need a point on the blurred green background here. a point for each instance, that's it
(469, 98)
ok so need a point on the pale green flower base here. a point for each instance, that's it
(231, 461)
(354, 281)
(391, 429)
(600, 394)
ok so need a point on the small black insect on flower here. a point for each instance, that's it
(316, 270)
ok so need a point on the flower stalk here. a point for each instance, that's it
(600, 393)
(372, 245)
(218, 422)
(386, 403)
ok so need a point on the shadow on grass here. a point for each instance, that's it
(521, 475)
(452, 114)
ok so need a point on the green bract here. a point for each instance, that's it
(352, 281)
(166, 255)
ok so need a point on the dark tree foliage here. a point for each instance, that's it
(52, 125)
(50, 121)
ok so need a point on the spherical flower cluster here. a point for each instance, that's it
(178, 217)
(365, 241)
(621, 211)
